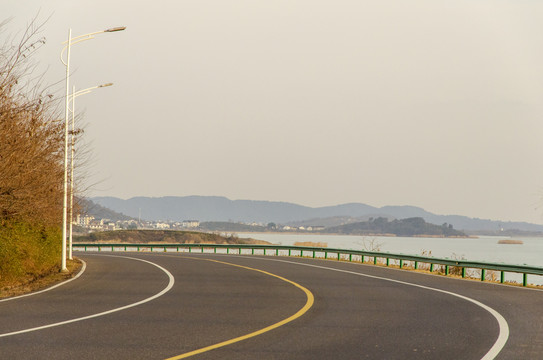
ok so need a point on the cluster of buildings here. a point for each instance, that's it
(302, 228)
(90, 223)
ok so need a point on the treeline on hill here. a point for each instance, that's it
(31, 170)
(100, 212)
(162, 236)
(405, 227)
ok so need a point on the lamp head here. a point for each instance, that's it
(118, 28)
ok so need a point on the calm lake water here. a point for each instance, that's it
(484, 248)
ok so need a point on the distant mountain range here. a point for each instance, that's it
(214, 208)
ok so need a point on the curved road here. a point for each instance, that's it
(158, 306)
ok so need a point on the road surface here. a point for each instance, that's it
(160, 306)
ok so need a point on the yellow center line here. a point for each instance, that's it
(302, 311)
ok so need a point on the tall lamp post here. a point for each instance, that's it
(71, 41)
(73, 133)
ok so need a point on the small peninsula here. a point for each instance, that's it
(162, 237)
(415, 226)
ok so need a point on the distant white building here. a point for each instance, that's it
(160, 225)
(83, 220)
(191, 223)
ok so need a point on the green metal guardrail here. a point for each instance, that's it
(338, 254)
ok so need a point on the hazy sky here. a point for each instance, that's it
(432, 103)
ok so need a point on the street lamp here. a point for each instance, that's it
(74, 133)
(71, 41)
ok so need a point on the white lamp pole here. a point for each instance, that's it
(72, 173)
(73, 96)
(71, 41)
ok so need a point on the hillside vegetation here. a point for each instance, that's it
(89, 207)
(31, 167)
(162, 236)
(406, 227)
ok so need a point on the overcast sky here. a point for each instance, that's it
(437, 104)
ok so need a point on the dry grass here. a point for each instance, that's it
(311, 244)
(43, 282)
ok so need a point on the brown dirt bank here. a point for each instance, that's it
(163, 236)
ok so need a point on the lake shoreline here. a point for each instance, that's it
(341, 234)
(483, 248)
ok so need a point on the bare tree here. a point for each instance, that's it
(31, 137)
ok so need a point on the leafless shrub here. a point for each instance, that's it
(492, 275)
(456, 270)
(31, 146)
(425, 266)
(371, 244)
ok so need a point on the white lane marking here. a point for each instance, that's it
(165, 290)
(502, 323)
(52, 287)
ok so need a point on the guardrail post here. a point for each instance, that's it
(431, 267)
(375, 260)
(524, 279)
(338, 256)
(313, 254)
(502, 277)
(416, 265)
(483, 274)
(463, 272)
(350, 257)
(289, 252)
(446, 270)
(388, 261)
(401, 263)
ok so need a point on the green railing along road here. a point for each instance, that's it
(445, 266)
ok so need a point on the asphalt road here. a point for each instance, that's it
(172, 304)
